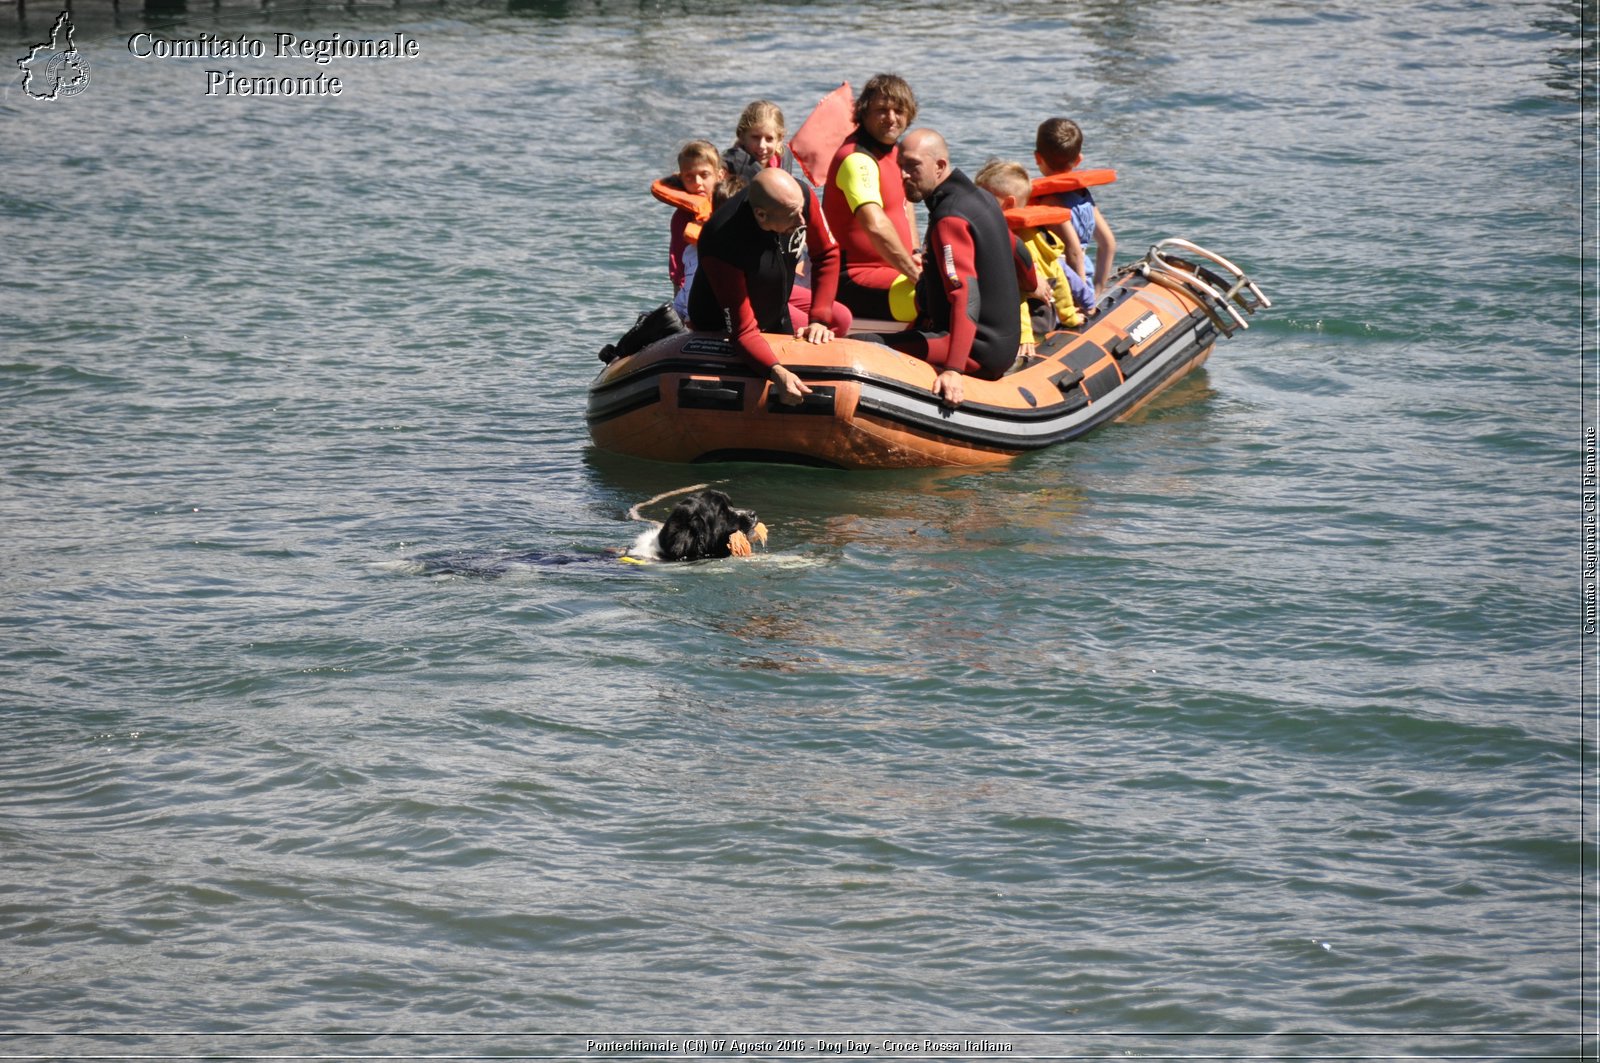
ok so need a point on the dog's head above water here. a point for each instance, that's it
(706, 525)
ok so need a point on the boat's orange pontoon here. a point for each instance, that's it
(689, 398)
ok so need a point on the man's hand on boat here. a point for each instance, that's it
(790, 388)
(947, 385)
(816, 332)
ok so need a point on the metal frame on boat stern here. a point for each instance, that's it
(1237, 289)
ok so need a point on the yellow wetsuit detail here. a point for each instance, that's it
(858, 180)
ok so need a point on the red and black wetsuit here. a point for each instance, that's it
(746, 274)
(974, 271)
(862, 263)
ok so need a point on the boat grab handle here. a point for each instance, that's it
(1211, 300)
(1241, 291)
(1240, 295)
(1241, 285)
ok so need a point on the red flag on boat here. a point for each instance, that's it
(824, 129)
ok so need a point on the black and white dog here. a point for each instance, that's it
(703, 526)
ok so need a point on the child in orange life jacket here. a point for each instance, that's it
(1058, 149)
(726, 189)
(1008, 183)
(758, 142)
(690, 191)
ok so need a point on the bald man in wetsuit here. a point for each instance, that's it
(748, 252)
(974, 271)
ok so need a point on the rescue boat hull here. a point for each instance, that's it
(691, 398)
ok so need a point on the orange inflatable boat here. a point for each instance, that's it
(690, 398)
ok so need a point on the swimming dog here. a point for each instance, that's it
(703, 526)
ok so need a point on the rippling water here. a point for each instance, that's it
(1252, 716)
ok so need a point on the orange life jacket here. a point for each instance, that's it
(675, 196)
(1036, 216)
(1072, 181)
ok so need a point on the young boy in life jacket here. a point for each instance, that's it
(1058, 149)
(758, 142)
(1008, 183)
(690, 192)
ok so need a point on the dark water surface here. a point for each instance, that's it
(1257, 714)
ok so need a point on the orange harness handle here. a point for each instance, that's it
(674, 196)
(1036, 217)
(1072, 181)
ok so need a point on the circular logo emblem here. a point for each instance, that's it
(67, 74)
